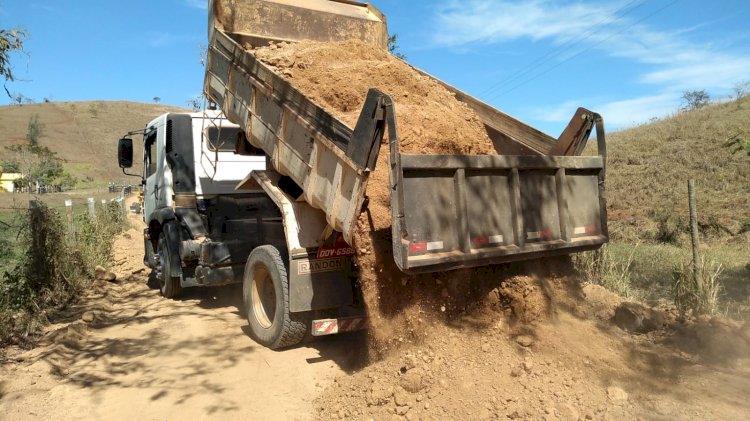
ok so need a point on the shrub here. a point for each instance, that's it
(55, 265)
(744, 226)
(697, 292)
(669, 227)
(600, 267)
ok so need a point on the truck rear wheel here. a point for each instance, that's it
(265, 290)
(169, 282)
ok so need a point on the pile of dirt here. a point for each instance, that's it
(568, 366)
(337, 76)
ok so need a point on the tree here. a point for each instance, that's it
(695, 100)
(19, 99)
(11, 40)
(10, 166)
(34, 130)
(36, 163)
(741, 89)
(157, 100)
(394, 48)
(196, 103)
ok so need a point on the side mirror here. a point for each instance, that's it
(125, 153)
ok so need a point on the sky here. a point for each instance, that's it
(537, 60)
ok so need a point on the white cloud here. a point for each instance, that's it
(492, 21)
(196, 4)
(674, 63)
(617, 114)
(713, 71)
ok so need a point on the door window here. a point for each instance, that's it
(149, 150)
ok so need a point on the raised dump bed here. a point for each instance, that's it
(449, 211)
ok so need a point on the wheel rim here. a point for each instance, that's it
(263, 297)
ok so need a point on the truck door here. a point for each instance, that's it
(150, 190)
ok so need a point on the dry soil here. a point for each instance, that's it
(535, 346)
(126, 353)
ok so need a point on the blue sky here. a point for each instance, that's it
(538, 60)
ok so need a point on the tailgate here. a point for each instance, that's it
(456, 211)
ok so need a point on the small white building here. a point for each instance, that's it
(7, 181)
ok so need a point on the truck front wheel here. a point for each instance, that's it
(165, 253)
(265, 290)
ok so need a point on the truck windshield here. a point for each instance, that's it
(223, 139)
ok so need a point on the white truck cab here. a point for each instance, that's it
(216, 168)
(217, 214)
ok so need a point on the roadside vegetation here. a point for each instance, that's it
(48, 261)
(648, 168)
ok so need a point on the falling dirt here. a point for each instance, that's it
(337, 76)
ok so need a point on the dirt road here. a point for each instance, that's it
(126, 353)
(534, 348)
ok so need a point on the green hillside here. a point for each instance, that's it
(649, 167)
(647, 175)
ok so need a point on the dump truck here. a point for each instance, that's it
(286, 228)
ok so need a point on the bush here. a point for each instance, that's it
(669, 227)
(44, 265)
(601, 268)
(697, 292)
(744, 226)
(94, 235)
(55, 265)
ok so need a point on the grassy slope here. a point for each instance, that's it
(83, 133)
(649, 166)
(648, 169)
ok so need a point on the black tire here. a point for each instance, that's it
(169, 283)
(148, 254)
(265, 292)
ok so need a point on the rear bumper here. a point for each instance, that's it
(324, 327)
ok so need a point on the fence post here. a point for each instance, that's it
(122, 203)
(69, 213)
(92, 207)
(693, 228)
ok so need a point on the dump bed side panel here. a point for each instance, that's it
(327, 159)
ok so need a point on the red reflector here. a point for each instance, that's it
(481, 240)
(591, 230)
(545, 235)
(417, 247)
(340, 242)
